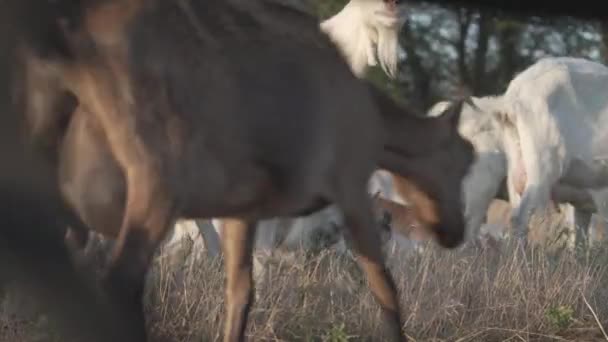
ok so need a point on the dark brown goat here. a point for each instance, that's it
(234, 109)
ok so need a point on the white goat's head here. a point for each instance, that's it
(364, 29)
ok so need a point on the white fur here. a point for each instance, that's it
(552, 126)
(598, 229)
(382, 182)
(184, 241)
(560, 111)
(364, 28)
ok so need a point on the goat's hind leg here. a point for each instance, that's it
(148, 216)
(366, 242)
(237, 245)
(115, 98)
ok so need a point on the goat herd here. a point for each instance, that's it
(253, 114)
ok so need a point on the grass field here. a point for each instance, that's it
(472, 294)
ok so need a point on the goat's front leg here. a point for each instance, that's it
(535, 196)
(237, 244)
(359, 220)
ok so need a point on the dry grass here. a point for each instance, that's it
(465, 295)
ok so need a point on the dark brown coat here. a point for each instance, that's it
(236, 109)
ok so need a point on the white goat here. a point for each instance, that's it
(554, 117)
(552, 122)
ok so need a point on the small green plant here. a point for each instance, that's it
(560, 316)
(336, 334)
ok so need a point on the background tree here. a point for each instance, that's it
(450, 50)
